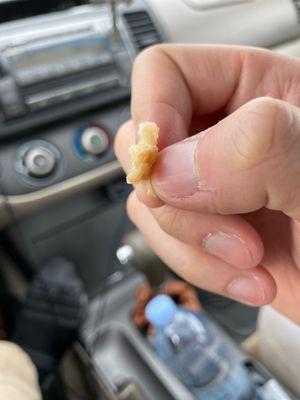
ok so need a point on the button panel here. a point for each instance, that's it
(10, 98)
(64, 141)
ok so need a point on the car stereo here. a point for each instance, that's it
(57, 64)
(17, 9)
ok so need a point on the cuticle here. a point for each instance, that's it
(201, 182)
(258, 281)
(225, 234)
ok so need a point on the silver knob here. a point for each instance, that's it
(39, 161)
(94, 140)
(136, 250)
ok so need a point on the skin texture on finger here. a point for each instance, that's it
(186, 74)
(280, 237)
(253, 286)
(248, 161)
(126, 137)
(261, 74)
(173, 83)
(229, 238)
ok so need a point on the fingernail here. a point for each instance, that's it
(248, 290)
(228, 247)
(174, 174)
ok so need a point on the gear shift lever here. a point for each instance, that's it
(135, 249)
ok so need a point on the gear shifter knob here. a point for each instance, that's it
(135, 249)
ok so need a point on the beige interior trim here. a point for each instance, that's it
(25, 204)
(251, 345)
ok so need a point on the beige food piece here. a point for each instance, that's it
(144, 154)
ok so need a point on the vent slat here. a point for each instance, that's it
(142, 29)
(297, 6)
(140, 22)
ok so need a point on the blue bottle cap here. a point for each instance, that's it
(160, 311)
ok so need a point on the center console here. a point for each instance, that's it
(121, 354)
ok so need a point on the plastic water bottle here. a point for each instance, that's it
(196, 353)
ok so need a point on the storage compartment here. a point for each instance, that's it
(120, 360)
(120, 353)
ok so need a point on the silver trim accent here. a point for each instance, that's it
(18, 206)
(71, 22)
(68, 92)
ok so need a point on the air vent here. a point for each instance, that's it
(142, 29)
(297, 6)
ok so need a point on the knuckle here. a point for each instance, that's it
(143, 56)
(186, 270)
(192, 273)
(169, 219)
(264, 131)
(218, 203)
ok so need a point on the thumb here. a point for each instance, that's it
(247, 161)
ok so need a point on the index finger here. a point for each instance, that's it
(172, 83)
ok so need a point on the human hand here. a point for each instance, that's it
(227, 215)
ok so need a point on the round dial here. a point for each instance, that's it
(94, 140)
(39, 161)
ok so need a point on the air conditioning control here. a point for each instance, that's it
(39, 161)
(94, 140)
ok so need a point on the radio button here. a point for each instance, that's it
(39, 162)
(10, 98)
(94, 140)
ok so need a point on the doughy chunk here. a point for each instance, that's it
(143, 154)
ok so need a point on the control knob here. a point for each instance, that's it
(39, 161)
(94, 140)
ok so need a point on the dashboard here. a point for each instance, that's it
(264, 23)
(60, 67)
(57, 67)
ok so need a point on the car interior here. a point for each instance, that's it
(73, 268)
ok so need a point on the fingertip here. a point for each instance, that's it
(172, 126)
(234, 241)
(123, 140)
(150, 200)
(135, 206)
(256, 289)
(270, 290)
(232, 249)
(256, 248)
